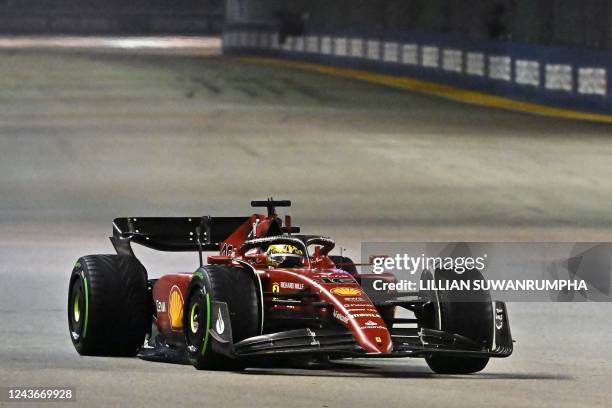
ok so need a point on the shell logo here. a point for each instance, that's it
(345, 291)
(175, 308)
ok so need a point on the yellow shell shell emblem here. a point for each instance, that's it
(345, 291)
(175, 308)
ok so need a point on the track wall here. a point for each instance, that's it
(553, 53)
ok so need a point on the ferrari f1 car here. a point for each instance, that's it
(269, 292)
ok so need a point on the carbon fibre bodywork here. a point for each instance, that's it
(314, 309)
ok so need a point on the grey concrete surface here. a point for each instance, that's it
(86, 136)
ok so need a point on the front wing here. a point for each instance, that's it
(341, 343)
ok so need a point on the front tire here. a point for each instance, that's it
(452, 312)
(220, 283)
(108, 305)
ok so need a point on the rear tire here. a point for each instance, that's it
(451, 311)
(221, 283)
(108, 305)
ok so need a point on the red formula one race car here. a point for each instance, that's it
(269, 293)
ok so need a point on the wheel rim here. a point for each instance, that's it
(194, 318)
(76, 309)
(195, 322)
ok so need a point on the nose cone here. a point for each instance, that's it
(374, 339)
(355, 310)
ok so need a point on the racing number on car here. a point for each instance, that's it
(227, 250)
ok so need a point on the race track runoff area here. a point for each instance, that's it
(89, 135)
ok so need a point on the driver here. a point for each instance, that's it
(284, 256)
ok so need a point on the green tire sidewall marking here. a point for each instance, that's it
(205, 342)
(86, 304)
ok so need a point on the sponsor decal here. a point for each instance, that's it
(370, 323)
(362, 309)
(356, 299)
(340, 317)
(499, 318)
(292, 285)
(276, 289)
(313, 337)
(373, 327)
(378, 340)
(346, 291)
(160, 306)
(220, 325)
(175, 308)
(365, 315)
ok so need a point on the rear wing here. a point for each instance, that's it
(173, 233)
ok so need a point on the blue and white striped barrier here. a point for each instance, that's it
(567, 78)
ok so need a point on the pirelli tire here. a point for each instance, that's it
(345, 263)
(229, 284)
(108, 305)
(468, 314)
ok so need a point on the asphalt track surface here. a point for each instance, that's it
(87, 135)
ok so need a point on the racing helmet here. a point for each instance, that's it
(284, 256)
